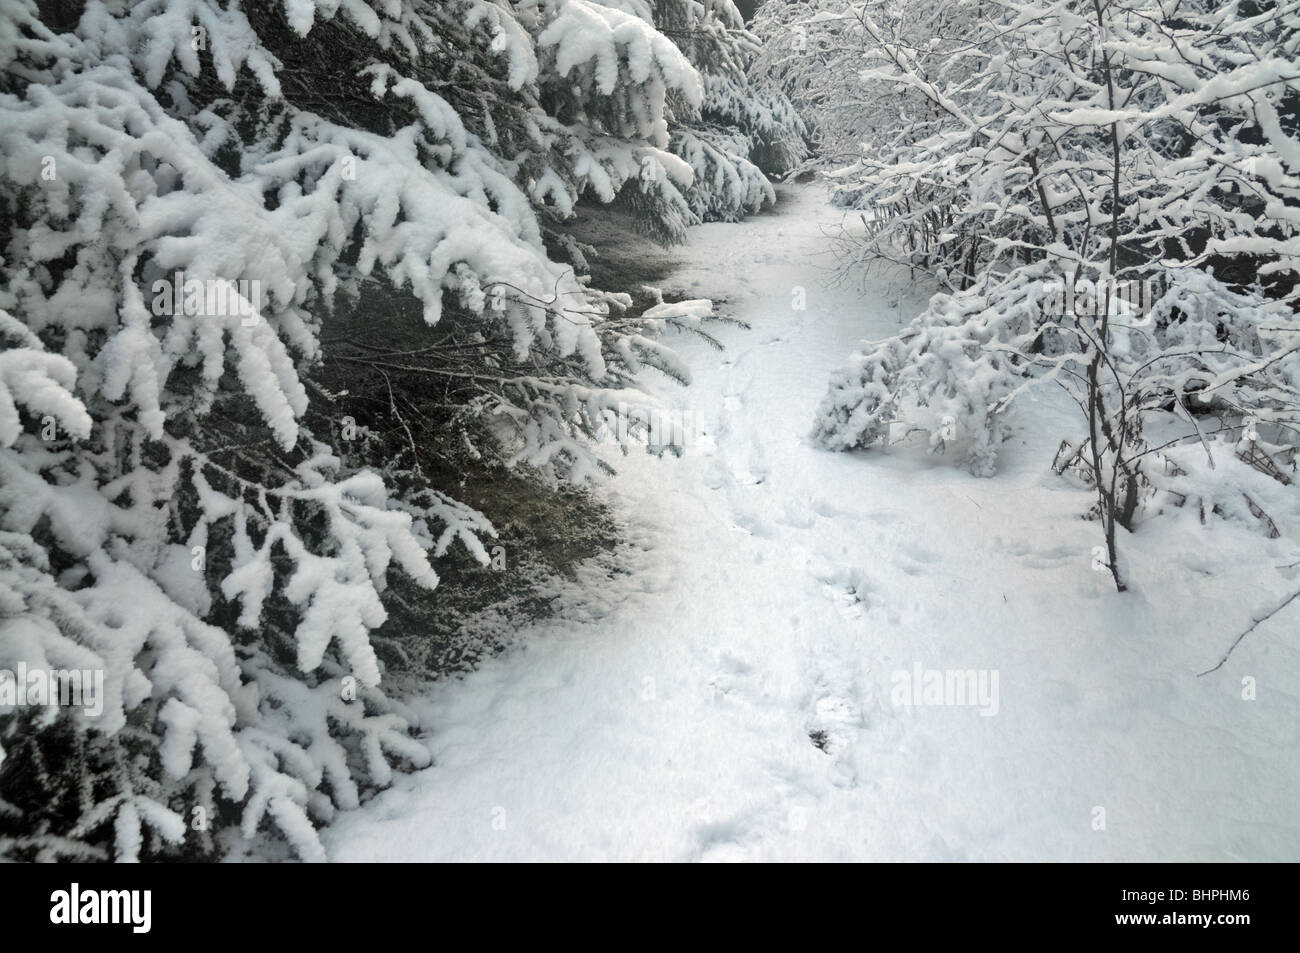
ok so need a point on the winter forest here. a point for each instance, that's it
(652, 430)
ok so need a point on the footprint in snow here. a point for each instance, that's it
(796, 516)
(752, 524)
(847, 600)
(848, 588)
(715, 475)
(733, 671)
(834, 725)
(919, 553)
(1048, 558)
(747, 477)
(825, 509)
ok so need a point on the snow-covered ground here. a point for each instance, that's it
(735, 697)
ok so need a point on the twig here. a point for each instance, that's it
(1287, 601)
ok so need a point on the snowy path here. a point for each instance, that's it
(732, 700)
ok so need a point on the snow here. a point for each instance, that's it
(733, 696)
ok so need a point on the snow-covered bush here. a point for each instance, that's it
(186, 190)
(1091, 148)
(817, 52)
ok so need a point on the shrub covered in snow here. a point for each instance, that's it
(1089, 148)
